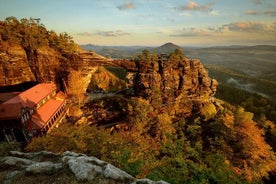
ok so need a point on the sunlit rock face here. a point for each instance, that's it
(14, 68)
(19, 66)
(174, 78)
(179, 86)
(44, 64)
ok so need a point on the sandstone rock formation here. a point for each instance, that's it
(45, 64)
(181, 88)
(174, 78)
(14, 66)
(176, 86)
(20, 167)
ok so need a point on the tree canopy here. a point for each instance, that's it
(31, 34)
(229, 148)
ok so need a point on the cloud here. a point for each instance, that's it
(159, 32)
(257, 1)
(248, 27)
(234, 27)
(216, 12)
(270, 13)
(104, 33)
(273, 26)
(126, 6)
(251, 12)
(190, 32)
(193, 6)
(87, 34)
(112, 33)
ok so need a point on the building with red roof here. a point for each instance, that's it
(30, 113)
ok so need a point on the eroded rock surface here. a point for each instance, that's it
(82, 168)
(43, 64)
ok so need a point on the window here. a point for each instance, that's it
(2, 136)
(52, 122)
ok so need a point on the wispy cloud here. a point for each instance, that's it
(257, 1)
(126, 6)
(193, 6)
(270, 12)
(104, 33)
(190, 32)
(238, 27)
(112, 33)
(248, 27)
(87, 34)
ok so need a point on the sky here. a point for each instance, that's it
(153, 22)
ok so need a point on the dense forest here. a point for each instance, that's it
(228, 148)
(217, 143)
(252, 102)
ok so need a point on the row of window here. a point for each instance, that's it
(51, 122)
(11, 135)
(43, 101)
(26, 116)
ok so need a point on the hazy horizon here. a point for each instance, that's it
(199, 46)
(152, 22)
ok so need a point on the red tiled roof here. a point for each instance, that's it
(45, 112)
(29, 98)
(33, 95)
(6, 96)
(10, 111)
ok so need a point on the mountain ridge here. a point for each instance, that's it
(166, 48)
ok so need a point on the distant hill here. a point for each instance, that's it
(129, 51)
(92, 47)
(166, 48)
(116, 51)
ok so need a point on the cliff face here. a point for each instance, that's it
(45, 64)
(173, 79)
(14, 68)
(179, 86)
(18, 66)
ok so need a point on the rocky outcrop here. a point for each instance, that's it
(79, 167)
(174, 78)
(178, 86)
(14, 66)
(181, 88)
(45, 64)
